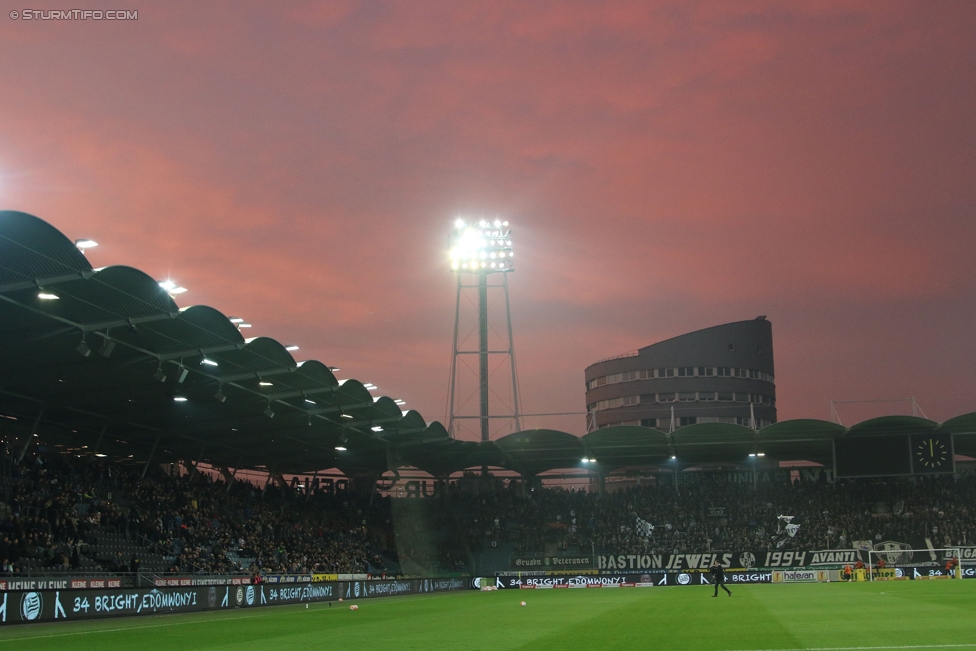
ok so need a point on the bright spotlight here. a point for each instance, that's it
(473, 246)
(85, 243)
(171, 287)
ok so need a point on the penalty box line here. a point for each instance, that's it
(873, 648)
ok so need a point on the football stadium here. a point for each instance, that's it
(170, 483)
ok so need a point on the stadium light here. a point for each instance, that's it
(481, 247)
(179, 399)
(47, 296)
(291, 347)
(209, 362)
(752, 454)
(171, 288)
(760, 454)
(85, 243)
(340, 448)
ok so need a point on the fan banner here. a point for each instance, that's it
(832, 558)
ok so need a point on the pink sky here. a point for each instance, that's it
(666, 166)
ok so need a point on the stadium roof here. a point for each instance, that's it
(106, 359)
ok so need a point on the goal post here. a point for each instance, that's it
(886, 564)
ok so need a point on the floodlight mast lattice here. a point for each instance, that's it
(482, 248)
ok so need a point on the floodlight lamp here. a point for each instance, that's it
(171, 288)
(100, 455)
(268, 412)
(179, 399)
(291, 347)
(673, 457)
(107, 347)
(459, 223)
(347, 416)
(311, 402)
(83, 348)
(265, 384)
(85, 243)
(47, 296)
(182, 375)
(159, 375)
(585, 460)
(236, 319)
(340, 448)
(377, 429)
(760, 454)
(208, 362)
(752, 454)
(399, 402)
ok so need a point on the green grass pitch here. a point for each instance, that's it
(889, 615)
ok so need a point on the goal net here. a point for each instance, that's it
(892, 562)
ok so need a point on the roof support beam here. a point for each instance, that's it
(30, 436)
(101, 435)
(151, 455)
(37, 282)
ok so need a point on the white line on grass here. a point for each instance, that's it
(871, 648)
(252, 615)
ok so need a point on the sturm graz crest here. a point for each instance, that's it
(747, 560)
(894, 552)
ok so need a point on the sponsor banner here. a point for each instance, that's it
(626, 580)
(319, 578)
(800, 576)
(964, 554)
(59, 584)
(932, 573)
(288, 578)
(551, 562)
(29, 606)
(184, 581)
(831, 558)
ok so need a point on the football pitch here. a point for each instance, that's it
(836, 616)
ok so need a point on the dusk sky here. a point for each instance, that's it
(666, 166)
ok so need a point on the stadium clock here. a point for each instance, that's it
(931, 453)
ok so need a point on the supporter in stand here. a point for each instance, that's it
(56, 505)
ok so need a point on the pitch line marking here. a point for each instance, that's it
(871, 648)
(181, 623)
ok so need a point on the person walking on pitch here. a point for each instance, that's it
(718, 578)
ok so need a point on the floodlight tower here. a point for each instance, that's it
(482, 249)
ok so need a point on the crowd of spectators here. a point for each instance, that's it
(709, 512)
(56, 507)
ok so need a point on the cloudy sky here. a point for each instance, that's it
(666, 166)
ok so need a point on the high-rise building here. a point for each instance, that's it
(722, 374)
